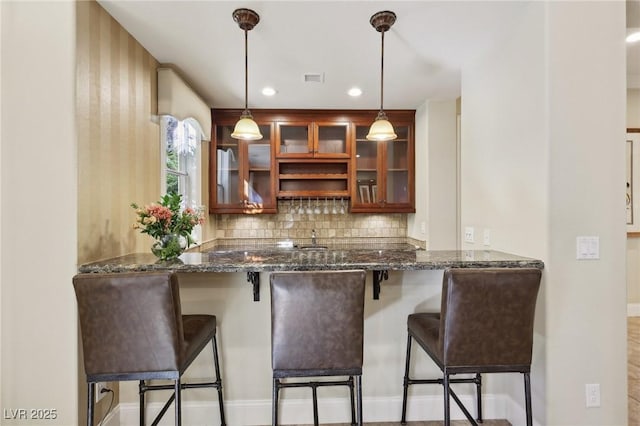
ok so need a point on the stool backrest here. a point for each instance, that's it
(317, 320)
(129, 322)
(487, 316)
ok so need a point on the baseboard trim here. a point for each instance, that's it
(331, 410)
(633, 309)
(515, 413)
(113, 418)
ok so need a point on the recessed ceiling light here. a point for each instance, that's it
(355, 91)
(633, 37)
(268, 91)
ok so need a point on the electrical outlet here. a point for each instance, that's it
(592, 394)
(486, 237)
(423, 228)
(468, 234)
(98, 390)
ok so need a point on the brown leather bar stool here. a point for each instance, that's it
(485, 326)
(317, 321)
(132, 328)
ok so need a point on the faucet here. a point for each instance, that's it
(314, 239)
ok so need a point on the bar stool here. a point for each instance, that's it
(485, 326)
(317, 321)
(132, 329)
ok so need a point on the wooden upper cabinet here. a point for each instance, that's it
(383, 172)
(312, 153)
(313, 139)
(241, 172)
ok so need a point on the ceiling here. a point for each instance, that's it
(424, 51)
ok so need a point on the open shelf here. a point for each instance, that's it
(313, 178)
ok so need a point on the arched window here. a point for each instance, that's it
(181, 162)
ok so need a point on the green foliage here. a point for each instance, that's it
(170, 226)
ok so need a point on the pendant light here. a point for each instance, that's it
(246, 128)
(381, 129)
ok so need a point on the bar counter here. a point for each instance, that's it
(295, 259)
(380, 261)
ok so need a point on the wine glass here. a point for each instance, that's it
(342, 210)
(301, 208)
(317, 209)
(309, 209)
(334, 210)
(326, 206)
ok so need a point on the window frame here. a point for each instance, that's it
(189, 172)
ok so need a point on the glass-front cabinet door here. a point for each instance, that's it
(383, 172)
(294, 140)
(331, 140)
(313, 140)
(397, 168)
(366, 190)
(243, 173)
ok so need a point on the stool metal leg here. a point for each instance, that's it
(353, 401)
(274, 402)
(314, 393)
(479, 395)
(178, 402)
(447, 408)
(406, 382)
(141, 391)
(527, 397)
(216, 362)
(359, 385)
(90, 402)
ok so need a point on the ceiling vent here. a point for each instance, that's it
(314, 77)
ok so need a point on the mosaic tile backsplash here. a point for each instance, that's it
(292, 223)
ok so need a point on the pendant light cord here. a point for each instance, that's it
(246, 71)
(382, 73)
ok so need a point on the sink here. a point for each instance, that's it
(316, 247)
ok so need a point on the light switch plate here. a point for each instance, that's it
(588, 248)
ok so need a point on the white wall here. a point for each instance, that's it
(586, 123)
(504, 165)
(442, 175)
(435, 175)
(421, 175)
(38, 199)
(539, 168)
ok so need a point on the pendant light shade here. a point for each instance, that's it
(246, 128)
(382, 129)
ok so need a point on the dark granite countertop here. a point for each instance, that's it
(403, 257)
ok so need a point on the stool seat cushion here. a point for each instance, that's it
(425, 329)
(197, 331)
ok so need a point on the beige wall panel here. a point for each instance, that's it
(118, 141)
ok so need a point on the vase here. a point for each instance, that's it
(169, 246)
